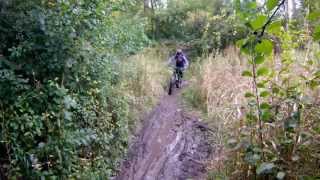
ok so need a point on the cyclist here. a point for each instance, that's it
(179, 61)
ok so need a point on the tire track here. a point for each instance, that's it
(172, 145)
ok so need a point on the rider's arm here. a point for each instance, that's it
(186, 62)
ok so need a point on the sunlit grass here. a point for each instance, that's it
(217, 90)
(144, 81)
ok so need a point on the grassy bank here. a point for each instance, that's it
(218, 91)
(145, 77)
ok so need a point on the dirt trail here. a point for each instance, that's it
(171, 145)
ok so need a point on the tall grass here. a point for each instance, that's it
(217, 87)
(145, 77)
(217, 90)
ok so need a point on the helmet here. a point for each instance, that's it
(179, 51)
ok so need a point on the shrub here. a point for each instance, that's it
(61, 113)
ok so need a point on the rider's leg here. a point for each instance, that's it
(181, 73)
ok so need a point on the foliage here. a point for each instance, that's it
(216, 90)
(271, 132)
(70, 97)
(146, 77)
(206, 25)
(61, 113)
(280, 102)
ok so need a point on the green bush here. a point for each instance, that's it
(61, 114)
(206, 25)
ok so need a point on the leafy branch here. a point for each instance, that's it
(270, 18)
(254, 73)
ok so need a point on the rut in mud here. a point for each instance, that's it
(171, 145)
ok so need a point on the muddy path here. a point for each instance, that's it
(171, 145)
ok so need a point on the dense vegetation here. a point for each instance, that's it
(267, 123)
(74, 79)
(61, 112)
(282, 115)
(204, 25)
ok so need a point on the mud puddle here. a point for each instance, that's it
(172, 145)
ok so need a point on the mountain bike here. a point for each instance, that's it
(175, 80)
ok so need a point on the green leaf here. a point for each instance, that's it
(245, 50)
(281, 175)
(247, 73)
(259, 59)
(264, 94)
(251, 118)
(240, 43)
(274, 27)
(275, 90)
(266, 115)
(314, 84)
(310, 62)
(258, 22)
(314, 16)
(264, 105)
(317, 74)
(248, 95)
(264, 47)
(262, 71)
(265, 168)
(261, 85)
(252, 5)
(271, 4)
(316, 33)
(243, 45)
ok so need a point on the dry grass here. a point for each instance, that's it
(145, 77)
(218, 90)
(220, 87)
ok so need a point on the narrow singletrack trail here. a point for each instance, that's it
(172, 145)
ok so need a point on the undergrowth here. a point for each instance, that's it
(145, 78)
(218, 90)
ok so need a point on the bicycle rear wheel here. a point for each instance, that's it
(178, 81)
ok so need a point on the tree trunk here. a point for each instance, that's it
(294, 7)
(286, 14)
(146, 6)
